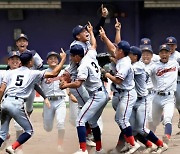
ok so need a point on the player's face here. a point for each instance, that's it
(133, 58)
(146, 56)
(52, 61)
(83, 36)
(118, 54)
(75, 58)
(164, 56)
(22, 44)
(172, 47)
(14, 62)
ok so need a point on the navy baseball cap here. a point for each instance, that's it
(52, 53)
(78, 29)
(145, 41)
(135, 51)
(26, 56)
(22, 36)
(124, 45)
(164, 47)
(76, 49)
(146, 48)
(13, 53)
(171, 40)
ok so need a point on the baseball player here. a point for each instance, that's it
(124, 80)
(56, 96)
(172, 42)
(165, 73)
(139, 113)
(89, 74)
(17, 85)
(81, 37)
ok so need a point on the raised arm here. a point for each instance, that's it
(101, 23)
(111, 47)
(92, 38)
(58, 68)
(118, 32)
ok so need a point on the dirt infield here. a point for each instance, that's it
(45, 142)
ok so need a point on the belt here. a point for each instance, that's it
(178, 82)
(100, 89)
(54, 98)
(15, 97)
(139, 98)
(164, 93)
(120, 90)
(151, 91)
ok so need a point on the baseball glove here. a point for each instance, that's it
(65, 77)
(103, 59)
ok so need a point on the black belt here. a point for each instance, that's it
(54, 98)
(151, 91)
(100, 89)
(164, 93)
(120, 90)
(15, 97)
(139, 98)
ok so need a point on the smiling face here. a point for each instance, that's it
(22, 44)
(172, 47)
(14, 62)
(52, 61)
(164, 56)
(146, 56)
(83, 36)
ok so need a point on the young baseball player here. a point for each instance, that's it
(165, 74)
(56, 96)
(124, 80)
(88, 74)
(172, 42)
(16, 86)
(139, 113)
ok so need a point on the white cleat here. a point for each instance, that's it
(60, 149)
(81, 152)
(10, 150)
(150, 149)
(125, 148)
(162, 149)
(90, 143)
(133, 149)
(100, 152)
(165, 139)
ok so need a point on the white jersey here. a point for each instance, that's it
(50, 86)
(2, 73)
(155, 58)
(140, 78)
(125, 72)
(20, 82)
(89, 71)
(165, 75)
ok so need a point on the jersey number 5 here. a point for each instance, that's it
(19, 80)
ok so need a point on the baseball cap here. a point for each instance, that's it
(22, 36)
(164, 47)
(26, 56)
(146, 47)
(78, 29)
(124, 45)
(13, 53)
(77, 49)
(52, 53)
(171, 40)
(145, 41)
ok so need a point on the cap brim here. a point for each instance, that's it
(22, 37)
(57, 55)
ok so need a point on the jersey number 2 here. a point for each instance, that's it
(19, 80)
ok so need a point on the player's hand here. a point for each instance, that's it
(102, 33)
(117, 25)
(62, 54)
(89, 27)
(103, 72)
(104, 11)
(63, 85)
(47, 102)
(65, 77)
(71, 96)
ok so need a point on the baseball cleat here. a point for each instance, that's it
(60, 149)
(10, 150)
(150, 149)
(81, 152)
(161, 149)
(19, 151)
(90, 143)
(100, 152)
(133, 149)
(125, 148)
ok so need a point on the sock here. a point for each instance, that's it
(168, 129)
(130, 140)
(128, 135)
(143, 140)
(121, 139)
(15, 145)
(152, 137)
(159, 143)
(148, 144)
(23, 138)
(97, 137)
(88, 129)
(81, 130)
(61, 133)
(1, 141)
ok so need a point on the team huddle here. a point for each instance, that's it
(144, 86)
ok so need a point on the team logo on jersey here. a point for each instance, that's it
(160, 72)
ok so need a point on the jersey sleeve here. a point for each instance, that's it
(122, 70)
(82, 72)
(38, 62)
(38, 75)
